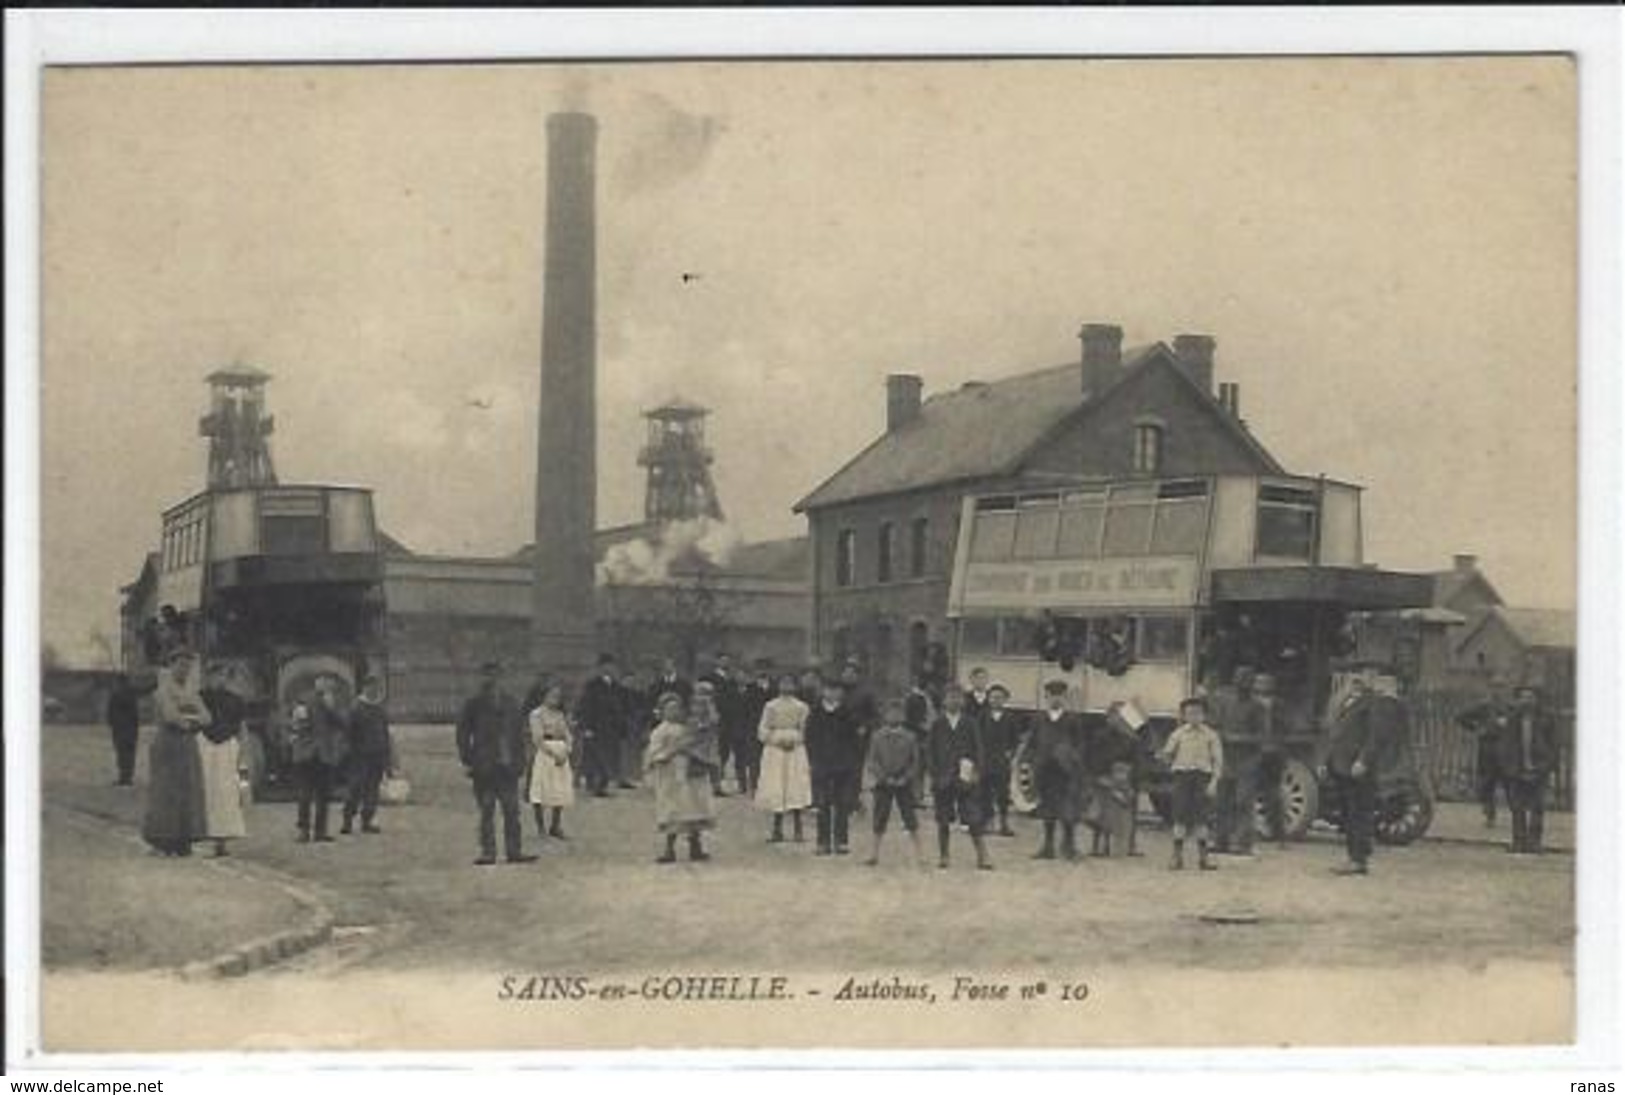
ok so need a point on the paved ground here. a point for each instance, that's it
(598, 903)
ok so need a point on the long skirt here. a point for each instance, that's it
(785, 782)
(682, 796)
(222, 790)
(174, 815)
(551, 784)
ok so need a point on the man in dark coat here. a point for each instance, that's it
(1229, 715)
(1366, 738)
(601, 718)
(753, 700)
(639, 717)
(1526, 753)
(124, 720)
(318, 744)
(976, 695)
(1001, 731)
(1487, 722)
(956, 762)
(369, 757)
(669, 681)
(725, 695)
(1059, 747)
(835, 751)
(491, 744)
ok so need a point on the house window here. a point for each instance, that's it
(1148, 434)
(919, 648)
(883, 553)
(918, 534)
(846, 557)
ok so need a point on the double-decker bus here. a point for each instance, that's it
(1144, 591)
(278, 584)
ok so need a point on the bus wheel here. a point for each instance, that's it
(252, 761)
(1300, 802)
(1404, 813)
(1023, 795)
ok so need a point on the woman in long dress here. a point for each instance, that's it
(174, 813)
(682, 757)
(217, 748)
(552, 777)
(785, 783)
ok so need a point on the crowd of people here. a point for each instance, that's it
(794, 743)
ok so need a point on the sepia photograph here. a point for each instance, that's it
(1000, 553)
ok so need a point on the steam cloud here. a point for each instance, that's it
(649, 562)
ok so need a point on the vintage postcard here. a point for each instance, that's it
(846, 554)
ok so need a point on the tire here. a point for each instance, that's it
(1404, 813)
(252, 760)
(1023, 795)
(1300, 802)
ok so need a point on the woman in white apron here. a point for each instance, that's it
(552, 777)
(785, 784)
(218, 748)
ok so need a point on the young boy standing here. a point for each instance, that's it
(954, 754)
(893, 765)
(1195, 756)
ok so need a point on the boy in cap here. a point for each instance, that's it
(954, 756)
(1195, 755)
(1001, 730)
(893, 765)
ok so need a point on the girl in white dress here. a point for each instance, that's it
(552, 777)
(785, 785)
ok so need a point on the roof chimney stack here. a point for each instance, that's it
(1102, 354)
(1230, 398)
(902, 400)
(1466, 564)
(1195, 354)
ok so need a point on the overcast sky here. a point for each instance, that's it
(1385, 251)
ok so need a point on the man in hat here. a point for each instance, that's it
(1487, 722)
(601, 718)
(319, 741)
(370, 750)
(753, 700)
(835, 752)
(491, 743)
(726, 698)
(1369, 729)
(1059, 742)
(1527, 755)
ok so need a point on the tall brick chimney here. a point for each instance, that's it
(562, 622)
(902, 400)
(1102, 354)
(1195, 354)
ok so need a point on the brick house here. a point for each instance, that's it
(884, 527)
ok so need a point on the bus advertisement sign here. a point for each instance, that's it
(1091, 583)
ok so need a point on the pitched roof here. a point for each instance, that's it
(1547, 627)
(1447, 584)
(987, 429)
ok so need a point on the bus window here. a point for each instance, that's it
(291, 523)
(1128, 527)
(978, 636)
(993, 536)
(1181, 526)
(1286, 522)
(1036, 524)
(1018, 637)
(1082, 517)
(349, 515)
(1162, 639)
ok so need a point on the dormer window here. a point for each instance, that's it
(1148, 437)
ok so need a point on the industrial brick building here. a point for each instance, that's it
(884, 527)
